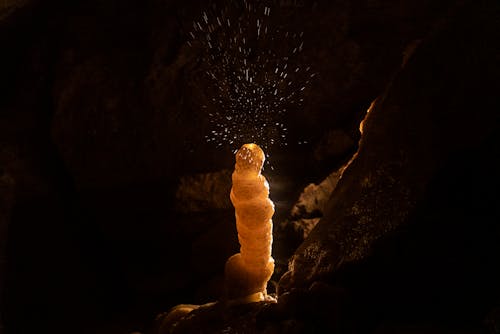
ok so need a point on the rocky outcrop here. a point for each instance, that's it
(407, 204)
(303, 217)
(313, 200)
(412, 132)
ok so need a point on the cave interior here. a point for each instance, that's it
(117, 148)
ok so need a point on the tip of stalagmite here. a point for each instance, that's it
(250, 157)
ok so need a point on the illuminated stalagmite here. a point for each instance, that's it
(247, 273)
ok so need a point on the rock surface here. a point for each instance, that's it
(289, 233)
(407, 204)
(313, 200)
(411, 133)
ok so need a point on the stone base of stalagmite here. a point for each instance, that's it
(241, 281)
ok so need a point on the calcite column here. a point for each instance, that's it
(247, 273)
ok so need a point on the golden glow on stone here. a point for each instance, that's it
(361, 125)
(247, 273)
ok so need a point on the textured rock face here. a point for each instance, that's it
(313, 200)
(407, 203)
(412, 132)
(303, 217)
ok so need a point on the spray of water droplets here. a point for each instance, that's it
(256, 70)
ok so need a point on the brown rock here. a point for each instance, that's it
(313, 200)
(423, 120)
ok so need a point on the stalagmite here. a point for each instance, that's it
(247, 273)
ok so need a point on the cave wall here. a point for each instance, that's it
(409, 242)
(411, 231)
(100, 119)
